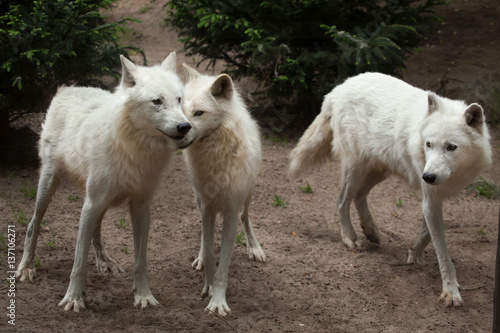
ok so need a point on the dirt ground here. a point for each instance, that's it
(311, 282)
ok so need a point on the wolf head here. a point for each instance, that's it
(154, 99)
(206, 102)
(455, 139)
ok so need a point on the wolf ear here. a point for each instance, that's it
(128, 70)
(474, 116)
(190, 72)
(170, 63)
(222, 87)
(432, 101)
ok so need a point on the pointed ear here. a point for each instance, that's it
(222, 87)
(474, 116)
(170, 63)
(190, 72)
(128, 70)
(432, 101)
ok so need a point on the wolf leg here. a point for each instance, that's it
(218, 303)
(139, 211)
(47, 185)
(104, 262)
(423, 239)
(360, 200)
(433, 213)
(352, 177)
(91, 212)
(207, 249)
(198, 262)
(255, 251)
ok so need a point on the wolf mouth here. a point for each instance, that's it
(175, 137)
(187, 145)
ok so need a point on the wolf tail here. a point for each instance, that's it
(314, 146)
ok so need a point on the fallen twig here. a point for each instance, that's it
(222, 318)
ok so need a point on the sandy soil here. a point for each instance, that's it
(311, 282)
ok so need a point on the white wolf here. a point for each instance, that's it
(116, 145)
(223, 161)
(379, 125)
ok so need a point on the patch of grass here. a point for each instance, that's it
(481, 232)
(178, 152)
(29, 190)
(73, 198)
(484, 188)
(145, 9)
(240, 238)
(279, 201)
(123, 223)
(307, 188)
(52, 242)
(38, 262)
(11, 174)
(399, 203)
(125, 248)
(279, 139)
(19, 216)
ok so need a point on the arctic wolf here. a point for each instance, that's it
(223, 161)
(116, 145)
(378, 126)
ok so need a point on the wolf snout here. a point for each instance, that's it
(183, 128)
(429, 178)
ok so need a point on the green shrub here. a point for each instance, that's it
(298, 50)
(48, 43)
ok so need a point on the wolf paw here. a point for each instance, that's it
(145, 300)
(197, 264)
(218, 306)
(451, 299)
(69, 303)
(354, 244)
(109, 266)
(372, 234)
(24, 273)
(414, 258)
(256, 254)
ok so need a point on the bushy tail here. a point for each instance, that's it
(314, 146)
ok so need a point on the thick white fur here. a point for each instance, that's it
(382, 126)
(223, 161)
(117, 146)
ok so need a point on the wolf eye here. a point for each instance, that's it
(428, 144)
(157, 101)
(198, 113)
(451, 148)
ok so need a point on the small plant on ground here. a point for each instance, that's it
(38, 262)
(481, 232)
(307, 188)
(73, 198)
(19, 216)
(399, 203)
(123, 223)
(52, 242)
(485, 188)
(279, 201)
(125, 248)
(240, 238)
(29, 190)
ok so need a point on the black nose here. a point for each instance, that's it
(183, 128)
(429, 177)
